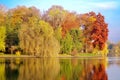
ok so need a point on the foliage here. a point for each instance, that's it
(55, 16)
(77, 38)
(71, 21)
(15, 18)
(2, 38)
(67, 44)
(2, 15)
(99, 32)
(43, 42)
(58, 33)
(86, 24)
(104, 52)
(114, 49)
(53, 30)
(95, 30)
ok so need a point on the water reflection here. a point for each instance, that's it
(57, 69)
(29, 69)
(39, 69)
(2, 69)
(83, 69)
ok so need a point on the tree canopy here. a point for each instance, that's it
(46, 33)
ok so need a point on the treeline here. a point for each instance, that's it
(114, 48)
(53, 31)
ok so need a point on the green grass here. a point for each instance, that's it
(80, 55)
(88, 54)
(60, 55)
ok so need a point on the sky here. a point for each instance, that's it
(109, 8)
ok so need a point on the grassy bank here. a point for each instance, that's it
(2, 55)
(80, 55)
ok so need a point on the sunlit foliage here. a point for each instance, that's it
(2, 38)
(2, 27)
(38, 39)
(15, 18)
(71, 21)
(95, 30)
(45, 33)
(55, 16)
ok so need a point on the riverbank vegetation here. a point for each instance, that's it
(114, 49)
(52, 32)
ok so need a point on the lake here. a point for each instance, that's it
(60, 68)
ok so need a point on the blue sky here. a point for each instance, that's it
(109, 8)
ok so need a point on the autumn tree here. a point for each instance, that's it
(15, 18)
(86, 25)
(99, 33)
(71, 21)
(67, 44)
(2, 27)
(77, 38)
(54, 16)
(36, 38)
(95, 30)
(2, 38)
(58, 34)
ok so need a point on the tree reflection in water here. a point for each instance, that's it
(83, 69)
(39, 69)
(31, 69)
(53, 69)
(99, 73)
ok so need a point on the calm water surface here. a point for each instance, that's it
(60, 69)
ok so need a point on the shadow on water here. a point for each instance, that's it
(57, 69)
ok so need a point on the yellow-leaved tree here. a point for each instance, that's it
(38, 39)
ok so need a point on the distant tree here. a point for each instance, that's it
(38, 39)
(114, 49)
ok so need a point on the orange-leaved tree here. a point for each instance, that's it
(71, 21)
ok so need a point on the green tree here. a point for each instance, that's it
(15, 18)
(2, 27)
(58, 33)
(38, 39)
(77, 39)
(2, 38)
(67, 44)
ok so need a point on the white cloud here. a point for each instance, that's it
(104, 5)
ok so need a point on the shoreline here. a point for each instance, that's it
(60, 56)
